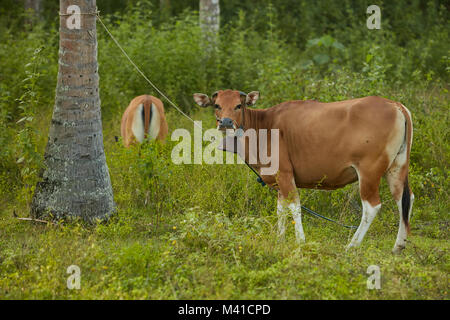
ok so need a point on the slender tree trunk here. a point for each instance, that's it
(210, 20)
(164, 8)
(34, 5)
(33, 9)
(75, 182)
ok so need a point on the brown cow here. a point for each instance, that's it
(327, 146)
(143, 117)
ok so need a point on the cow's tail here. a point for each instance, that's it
(147, 115)
(407, 195)
(406, 204)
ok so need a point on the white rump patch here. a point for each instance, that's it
(154, 123)
(396, 147)
(410, 118)
(138, 124)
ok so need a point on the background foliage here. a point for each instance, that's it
(209, 231)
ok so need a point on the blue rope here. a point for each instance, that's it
(260, 180)
(329, 219)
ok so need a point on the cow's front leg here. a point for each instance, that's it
(281, 213)
(288, 200)
(297, 215)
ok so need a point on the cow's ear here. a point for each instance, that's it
(252, 97)
(202, 100)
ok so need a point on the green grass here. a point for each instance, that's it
(206, 255)
(209, 232)
(193, 232)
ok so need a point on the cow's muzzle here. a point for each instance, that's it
(226, 123)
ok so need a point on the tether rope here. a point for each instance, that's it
(97, 14)
(142, 74)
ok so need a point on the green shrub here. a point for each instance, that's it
(209, 231)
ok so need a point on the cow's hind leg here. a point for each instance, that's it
(397, 179)
(370, 198)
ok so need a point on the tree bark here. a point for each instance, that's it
(164, 8)
(75, 181)
(35, 5)
(210, 20)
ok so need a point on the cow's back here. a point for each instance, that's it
(325, 139)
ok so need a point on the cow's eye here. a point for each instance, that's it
(237, 107)
(217, 107)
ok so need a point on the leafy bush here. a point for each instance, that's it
(209, 231)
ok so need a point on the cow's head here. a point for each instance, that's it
(229, 106)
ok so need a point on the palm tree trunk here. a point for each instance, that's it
(75, 181)
(209, 14)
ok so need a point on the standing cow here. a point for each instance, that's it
(327, 146)
(143, 118)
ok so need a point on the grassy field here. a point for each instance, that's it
(209, 232)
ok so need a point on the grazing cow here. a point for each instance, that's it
(143, 117)
(327, 146)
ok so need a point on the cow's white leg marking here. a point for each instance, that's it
(281, 212)
(400, 243)
(138, 124)
(369, 213)
(296, 210)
